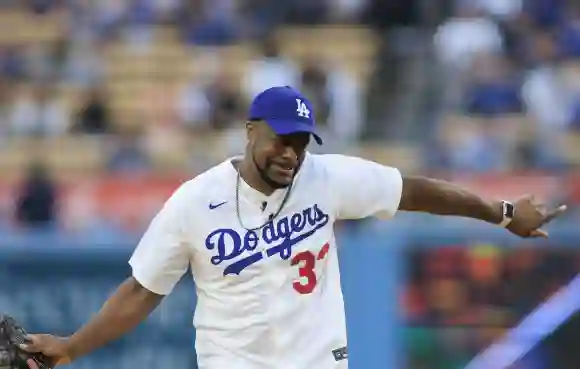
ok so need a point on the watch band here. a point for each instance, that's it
(508, 211)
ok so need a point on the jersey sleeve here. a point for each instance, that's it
(162, 256)
(364, 188)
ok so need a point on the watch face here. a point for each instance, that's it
(508, 209)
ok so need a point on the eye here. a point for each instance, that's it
(298, 141)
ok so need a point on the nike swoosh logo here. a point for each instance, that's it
(214, 206)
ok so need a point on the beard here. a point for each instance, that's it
(263, 172)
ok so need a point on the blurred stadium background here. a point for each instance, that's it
(107, 105)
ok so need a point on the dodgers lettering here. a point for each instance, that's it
(286, 232)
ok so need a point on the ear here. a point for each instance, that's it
(250, 130)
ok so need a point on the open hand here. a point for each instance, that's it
(54, 347)
(530, 216)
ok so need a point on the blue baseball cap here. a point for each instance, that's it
(285, 110)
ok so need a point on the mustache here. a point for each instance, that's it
(285, 164)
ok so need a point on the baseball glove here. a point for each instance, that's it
(11, 355)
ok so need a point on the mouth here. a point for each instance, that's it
(287, 170)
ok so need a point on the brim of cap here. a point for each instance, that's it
(285, 127)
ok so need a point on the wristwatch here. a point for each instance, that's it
(508, 211)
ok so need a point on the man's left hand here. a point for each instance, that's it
(530, 216)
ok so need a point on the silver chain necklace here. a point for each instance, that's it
(271, 217)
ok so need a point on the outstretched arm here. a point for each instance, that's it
(444, 198)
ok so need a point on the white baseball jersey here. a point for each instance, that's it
(270, 298)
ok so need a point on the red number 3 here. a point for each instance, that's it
(307, 261)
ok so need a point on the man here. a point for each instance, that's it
(36, 206)
(258, 234)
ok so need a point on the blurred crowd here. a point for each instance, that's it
(460, 300)
(512, 67)
(36, 70)
(453, 85)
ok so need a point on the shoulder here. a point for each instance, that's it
(212, 176)
(330, 169)
(330, 159)
(337, 168)
(330, 164)
(198, 190)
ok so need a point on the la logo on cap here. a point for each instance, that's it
(302, 109)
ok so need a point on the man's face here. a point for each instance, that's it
(277, 157)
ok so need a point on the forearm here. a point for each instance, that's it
(122, 312)
(445, 198)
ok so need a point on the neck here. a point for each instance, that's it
(250, 175)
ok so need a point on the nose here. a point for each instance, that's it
(289, 153)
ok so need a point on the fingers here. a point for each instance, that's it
(539, 233)
(554, 214)
(548, 218)
(32, 344)
(32, 364)
(542, 208)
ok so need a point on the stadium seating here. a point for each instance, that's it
(140, 84)
(170, 61)
(65, 156)
(26, 27)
